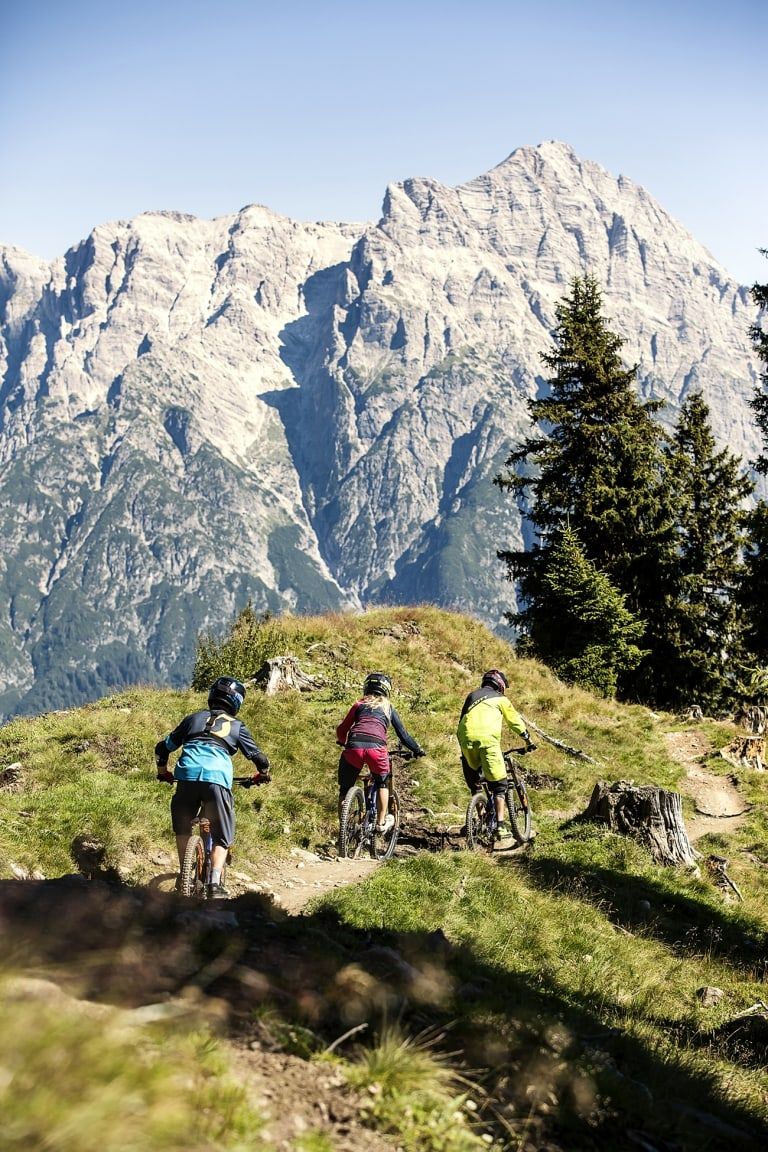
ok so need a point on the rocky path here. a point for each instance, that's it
(292, 882)
(719, 806)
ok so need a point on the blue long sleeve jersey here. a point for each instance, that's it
(208, 741)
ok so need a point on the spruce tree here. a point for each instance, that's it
(752, 598)
(753, 601)
(597, 465)
(708, 489)
(759, 402)
(580, 625)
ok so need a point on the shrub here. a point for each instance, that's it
(252, 639)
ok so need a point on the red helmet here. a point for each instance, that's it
(495, 679)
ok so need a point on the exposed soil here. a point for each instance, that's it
(720, 807)
(296, 1098)
(293, 882)
(147, 942)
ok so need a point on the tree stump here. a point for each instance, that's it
(753, 718)
(648, 814)
(283, 674)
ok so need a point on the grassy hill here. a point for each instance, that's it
(543, 999)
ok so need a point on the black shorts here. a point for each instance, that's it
(201, 798)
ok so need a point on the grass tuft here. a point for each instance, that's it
(416, 1092)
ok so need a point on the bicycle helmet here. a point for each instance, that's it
(227, 694)
(377, 684)
(495, 679)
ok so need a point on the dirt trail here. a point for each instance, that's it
(720, 807)
(292, 882)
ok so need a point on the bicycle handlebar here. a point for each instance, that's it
(243, 781)
(406, 753)
(520, 751)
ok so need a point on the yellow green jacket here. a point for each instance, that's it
(483, 715)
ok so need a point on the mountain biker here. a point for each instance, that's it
(479, 734)
(363, 736)
(203, 773)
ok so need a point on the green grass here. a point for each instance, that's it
(415, 1091)
(570, 973)
(74, 1083)
(540, 964)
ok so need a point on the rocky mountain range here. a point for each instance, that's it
(196, 413)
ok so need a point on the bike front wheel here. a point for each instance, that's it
(519, 809)
(479, 834)
(352, 823)
(383, 843)
(192, 881)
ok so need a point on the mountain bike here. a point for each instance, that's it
(357, 832)
(481, 811)
(195, 875)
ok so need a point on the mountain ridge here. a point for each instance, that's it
(195, 413)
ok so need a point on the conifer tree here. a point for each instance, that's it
(580, 625)
(708, 489)
(753, 600)
(759, 402)
(598, 467)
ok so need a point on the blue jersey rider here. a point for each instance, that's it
(203, 773)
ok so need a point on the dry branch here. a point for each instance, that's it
(569, 751)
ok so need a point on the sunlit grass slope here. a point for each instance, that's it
(90, 770)
(571, 971)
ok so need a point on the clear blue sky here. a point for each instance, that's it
(112, 107)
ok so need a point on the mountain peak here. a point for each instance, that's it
(197, 413)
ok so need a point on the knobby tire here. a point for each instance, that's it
(351, 823)
(193, 868)
(479, 836)
(382, 846)
(519, 810)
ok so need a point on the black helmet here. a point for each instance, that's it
(495, 679)
(227, 694)
(377, 684)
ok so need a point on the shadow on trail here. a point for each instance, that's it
(553, 1074)
(689, 926)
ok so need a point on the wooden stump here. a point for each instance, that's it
(750, 751)
(283, 674)
(753, 718)
(648, 814)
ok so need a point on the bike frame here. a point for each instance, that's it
(200, 827)
(515, 789)
(204, 828)
(371, 790)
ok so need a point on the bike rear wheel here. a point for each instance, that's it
(519, 809)
(383, 843)
(192, 880)
(351, 823)
(479, 835)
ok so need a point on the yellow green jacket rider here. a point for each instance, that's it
(480, 727)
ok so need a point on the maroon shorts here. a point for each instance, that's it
(353, 760)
